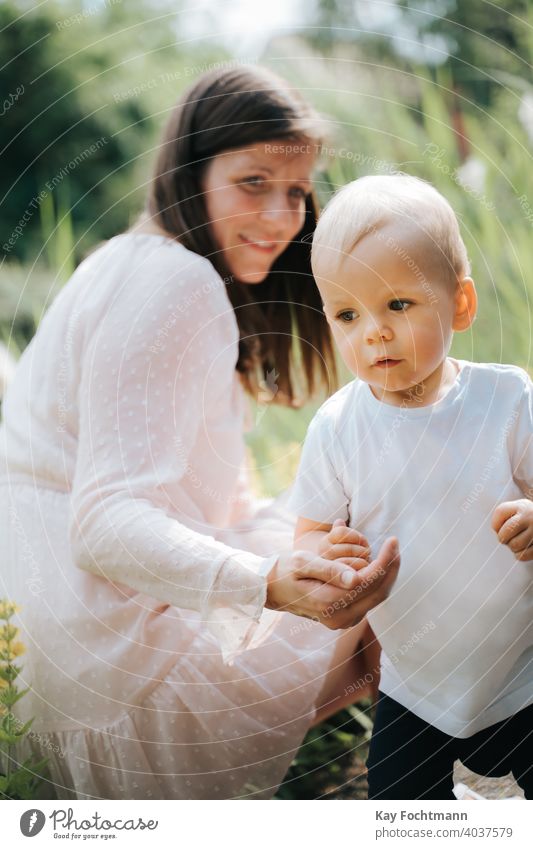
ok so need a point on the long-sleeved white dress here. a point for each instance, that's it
(155, 670)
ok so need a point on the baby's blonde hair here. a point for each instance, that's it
(370, 203)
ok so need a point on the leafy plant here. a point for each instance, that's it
(23, 781)
(331, 759)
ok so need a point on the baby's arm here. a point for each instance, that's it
(332, 542)
(513, 520)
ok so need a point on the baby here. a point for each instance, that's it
(439, 453)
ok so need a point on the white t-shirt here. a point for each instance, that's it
(456, 630)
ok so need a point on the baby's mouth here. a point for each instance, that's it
(386, 362)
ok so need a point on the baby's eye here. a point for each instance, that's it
(347, 315)
(399, 304)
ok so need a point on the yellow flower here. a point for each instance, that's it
(8, 632)
(9, 651)
(17, 649)
(8, 608)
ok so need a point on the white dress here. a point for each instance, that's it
(126, 536)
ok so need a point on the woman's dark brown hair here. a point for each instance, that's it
(281, 318)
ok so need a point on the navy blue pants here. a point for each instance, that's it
(410, 759)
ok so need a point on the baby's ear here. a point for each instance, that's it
(465, 304)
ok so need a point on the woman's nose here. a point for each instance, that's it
(276, 210)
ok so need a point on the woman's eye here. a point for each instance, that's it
(299, 193)
(399, 305)
(347, 316)
(253, 182)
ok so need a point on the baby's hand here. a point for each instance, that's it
(346, 545)
(513, 522)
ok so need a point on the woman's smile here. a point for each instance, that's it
(259, 244)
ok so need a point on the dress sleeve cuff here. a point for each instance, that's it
(234, 610)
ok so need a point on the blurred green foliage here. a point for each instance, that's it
(485, 40)
(85, 90)
(479, 43)
(331, 759)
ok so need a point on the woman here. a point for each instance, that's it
(159, 667)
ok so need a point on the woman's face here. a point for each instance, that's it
(255, 200)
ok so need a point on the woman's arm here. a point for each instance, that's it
(147, 374)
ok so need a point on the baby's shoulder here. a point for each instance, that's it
(339, 407)
(497, 377)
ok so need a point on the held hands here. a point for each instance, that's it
(345, 545)
(513, 522)
(338, 586)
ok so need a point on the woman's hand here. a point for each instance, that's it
(306, 584)
(513, 522)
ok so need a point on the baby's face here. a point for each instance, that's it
(391, 313)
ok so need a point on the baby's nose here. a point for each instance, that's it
(377, 331)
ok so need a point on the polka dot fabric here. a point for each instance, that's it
(130, 540)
